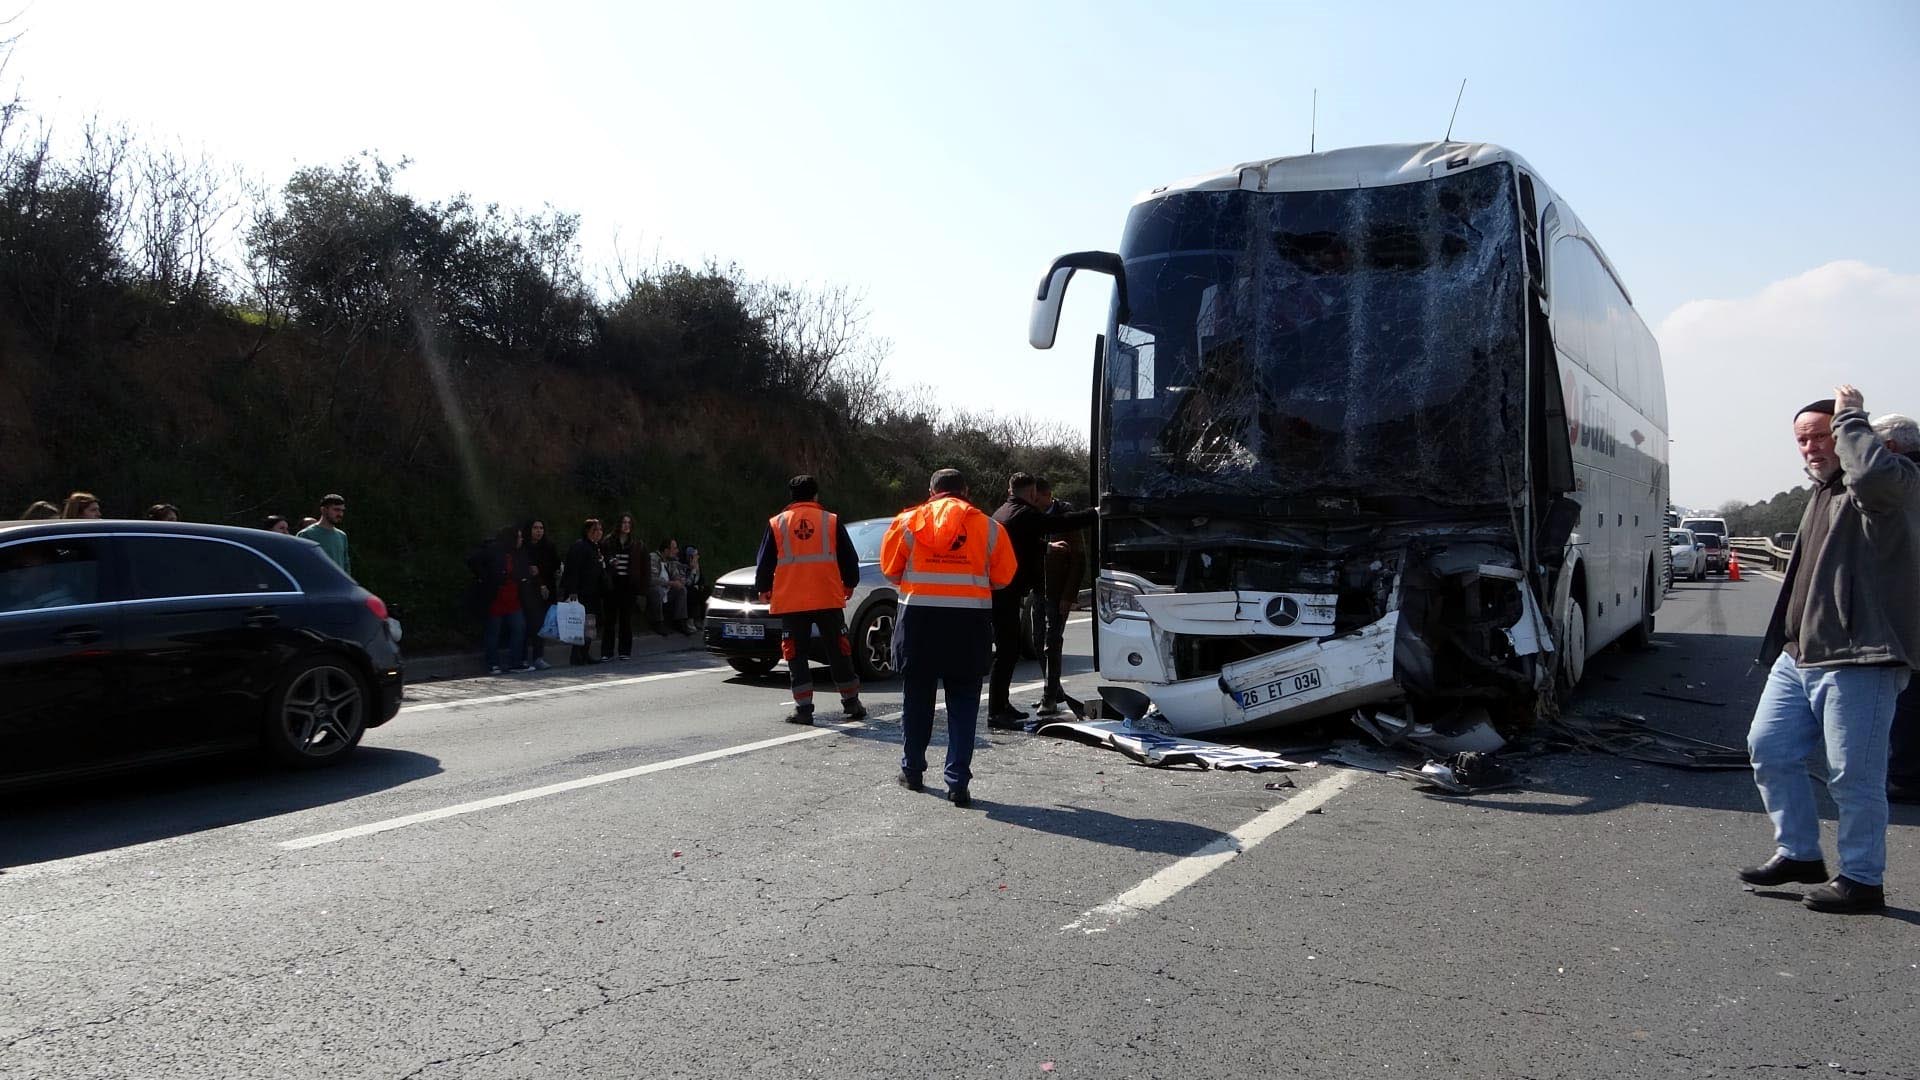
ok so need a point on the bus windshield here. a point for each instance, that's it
(1363, 342)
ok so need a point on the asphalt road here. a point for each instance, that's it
(628, 873)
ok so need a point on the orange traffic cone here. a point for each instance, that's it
(1733, 565)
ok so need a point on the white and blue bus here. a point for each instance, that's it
(1376, 429)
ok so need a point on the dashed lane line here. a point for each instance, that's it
(477, 805)
(1169, 882)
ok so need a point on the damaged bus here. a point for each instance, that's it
(1376, 431)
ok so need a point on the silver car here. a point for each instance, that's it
(740, 628)
(1688, 561)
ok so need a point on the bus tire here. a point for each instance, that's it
(1573, 652)
(1640, 637)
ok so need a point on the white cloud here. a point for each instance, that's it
(1737, 370)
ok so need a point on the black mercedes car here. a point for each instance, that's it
(123, 642)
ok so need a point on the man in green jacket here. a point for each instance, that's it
(329, 535)
(1842, 644)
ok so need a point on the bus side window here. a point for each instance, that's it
(1594, 288)
(1569, 325)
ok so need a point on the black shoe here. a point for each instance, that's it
(1903, 790)
(959, 797)
(1845, 896)
(1781, 870)
(910, 781)
(799, 716)
(853, 710)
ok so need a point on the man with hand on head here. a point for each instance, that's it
(1842, 644)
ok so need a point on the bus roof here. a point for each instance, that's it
(1383, 165)
(1350, 167)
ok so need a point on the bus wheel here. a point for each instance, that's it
(1573, 652)
(1641, 636)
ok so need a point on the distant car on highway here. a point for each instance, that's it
(1688, 561)
(1711, 534)
(1785, 540)
(739, 627)
(123, 642)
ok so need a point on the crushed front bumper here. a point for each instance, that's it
(1313, 678)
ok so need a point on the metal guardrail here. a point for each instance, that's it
(1760, 551)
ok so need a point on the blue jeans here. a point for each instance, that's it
(963, 717)
(513, 627)
(1843, 714)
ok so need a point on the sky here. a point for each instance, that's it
(1746, 166)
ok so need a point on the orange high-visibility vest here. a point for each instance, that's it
(946, 553)
(806, 573)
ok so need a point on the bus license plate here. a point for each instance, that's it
(743, 631)
(1286, 686)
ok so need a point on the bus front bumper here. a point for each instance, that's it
(1286, 686)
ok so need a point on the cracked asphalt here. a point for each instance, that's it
(790, 912)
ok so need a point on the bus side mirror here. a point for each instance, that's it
(1044, 321)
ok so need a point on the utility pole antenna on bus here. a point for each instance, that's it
(1313, 125)
(1456, 110)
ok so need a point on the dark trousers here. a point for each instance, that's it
(796, 631)
(1006, 644)
(616, 622)
(1056, 616)
(916, 720)
(1903, 749)
(536, 645)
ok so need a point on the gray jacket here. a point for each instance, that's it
(1863, 601)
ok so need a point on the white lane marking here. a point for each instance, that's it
(1770, 575)
(570, 688)
(596, 780)
(1168, 882)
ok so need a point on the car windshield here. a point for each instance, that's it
(1706, 528)
(1365, 341)
(866, 536)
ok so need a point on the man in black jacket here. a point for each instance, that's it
(1902, 436)
(1028, 525)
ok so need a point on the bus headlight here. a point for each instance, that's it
(1113, 598)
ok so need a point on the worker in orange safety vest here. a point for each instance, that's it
(807, 570)
(946, 557)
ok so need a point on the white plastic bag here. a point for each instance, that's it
(570, 622)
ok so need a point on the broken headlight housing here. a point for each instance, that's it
(1114, 597)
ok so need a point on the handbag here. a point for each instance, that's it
(550, 626)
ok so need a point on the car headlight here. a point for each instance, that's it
(1112, 598)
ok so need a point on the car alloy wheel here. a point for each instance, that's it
(874, 648)
(323, 711)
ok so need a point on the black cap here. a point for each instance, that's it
(1824, 405)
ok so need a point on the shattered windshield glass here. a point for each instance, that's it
(1366, 342)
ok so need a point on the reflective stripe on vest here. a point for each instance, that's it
(913, 578)
(806, 572)
(828, 528)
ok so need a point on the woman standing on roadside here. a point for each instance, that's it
(543, 572)
(584, 579)
(616, 624)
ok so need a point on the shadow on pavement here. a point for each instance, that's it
(104, 813)
(1905, 915)
(1154, 835)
